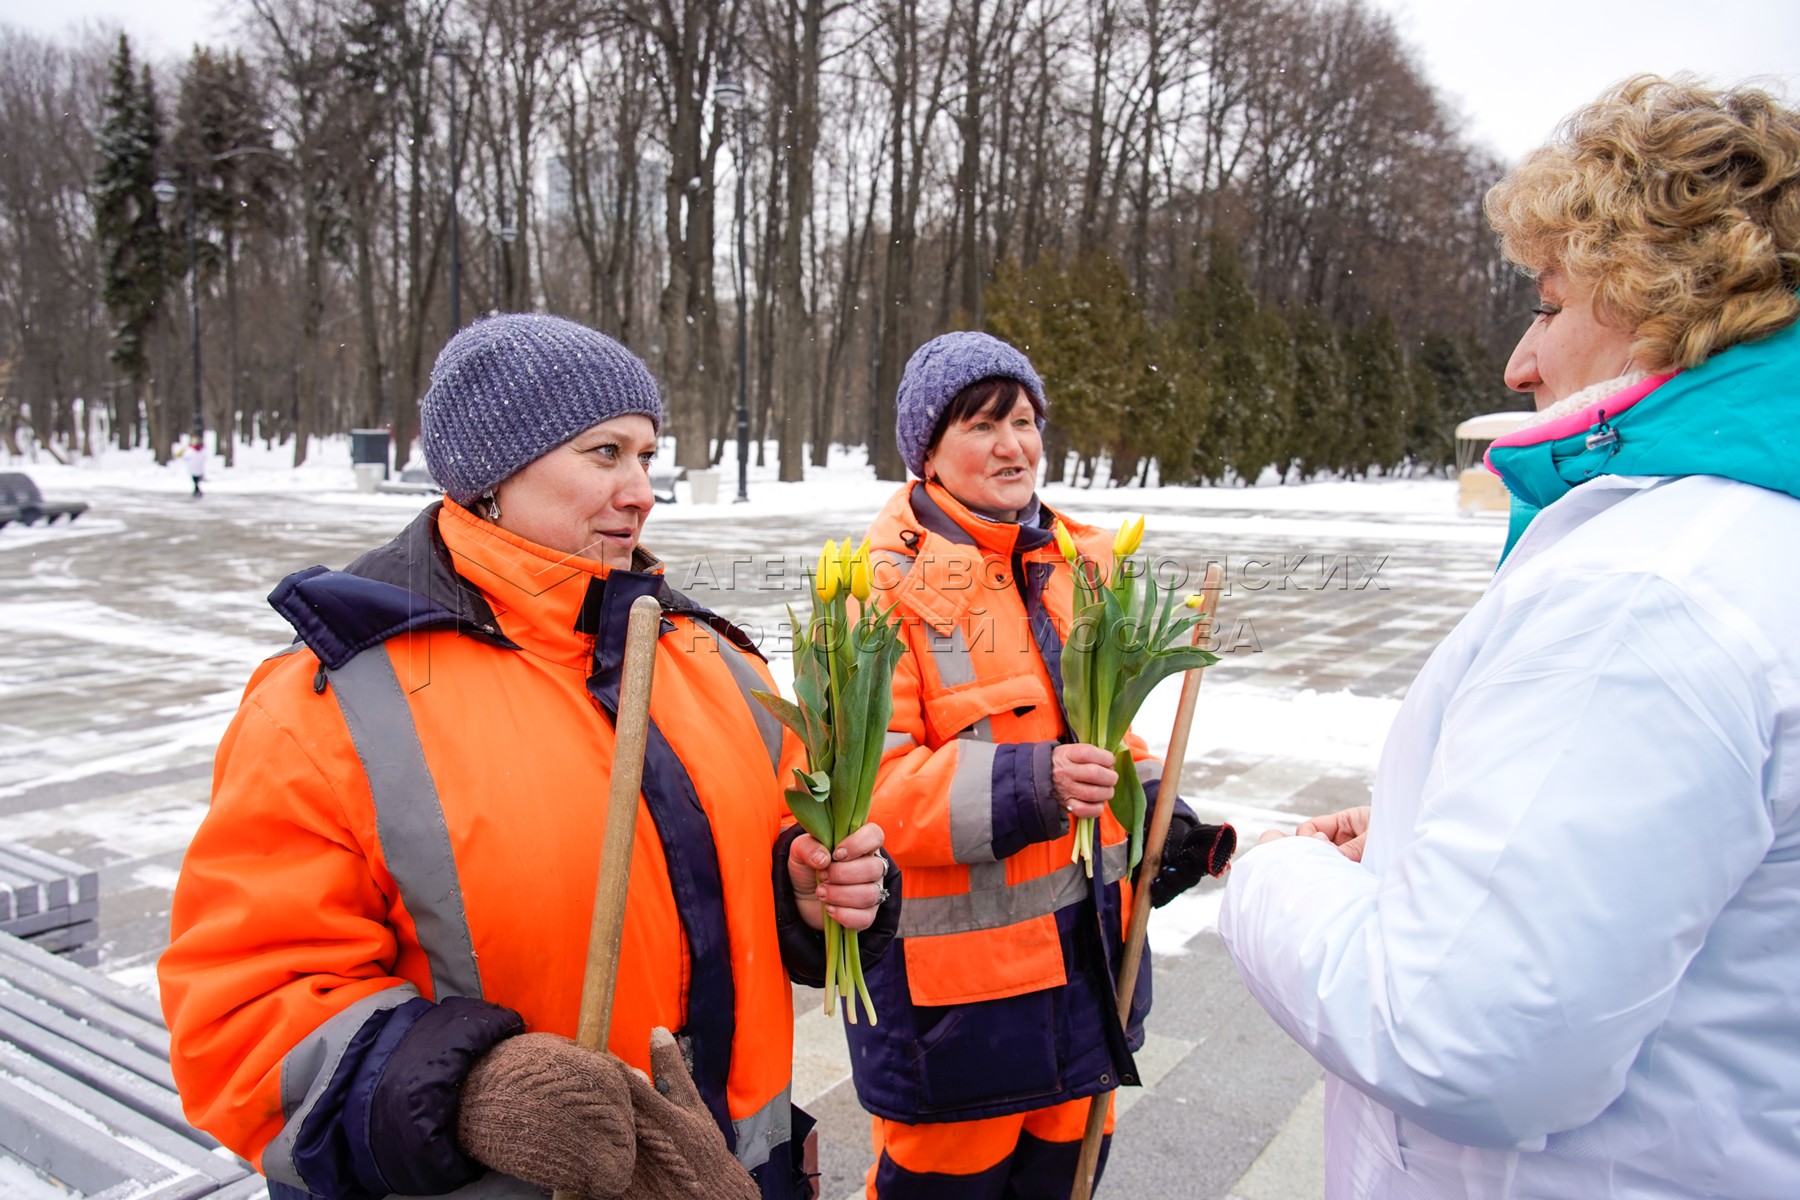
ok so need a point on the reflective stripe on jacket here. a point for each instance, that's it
(410, 812)
(1001, 999)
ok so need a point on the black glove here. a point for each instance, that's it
(1192, 852)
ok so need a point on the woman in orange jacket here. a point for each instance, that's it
(997, 1014)
(394, 882)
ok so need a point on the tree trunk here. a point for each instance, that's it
(896, 331)
(797, 343)
(968, 174)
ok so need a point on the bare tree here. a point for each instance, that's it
(913, 68)
(686, 36)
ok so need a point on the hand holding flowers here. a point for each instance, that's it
(843, 689)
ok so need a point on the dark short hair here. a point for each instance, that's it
(994, 396)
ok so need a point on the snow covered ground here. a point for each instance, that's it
(125, 638)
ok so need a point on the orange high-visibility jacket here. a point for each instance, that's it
(1001, 999)
(409, 810)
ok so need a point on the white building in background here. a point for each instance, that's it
(560, 184)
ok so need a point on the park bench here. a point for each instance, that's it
(413, 481)
(86, 1097)
(50, 901)
(20, 500)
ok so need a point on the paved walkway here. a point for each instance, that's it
(125, 643)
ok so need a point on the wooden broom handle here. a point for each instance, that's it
(1154, 840)
(631, 731)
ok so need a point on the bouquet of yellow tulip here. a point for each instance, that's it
(1127, 636)
(843, 683)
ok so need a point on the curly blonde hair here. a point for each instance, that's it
(1677, 204)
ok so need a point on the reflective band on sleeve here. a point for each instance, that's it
(972, 803)
(749, 681)
(925, 916)
(409, 820)
(894, 741)
(955, 666)
(308, 1067)
(759, 1133)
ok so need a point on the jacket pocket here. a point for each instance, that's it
(1370, 1135)
(997, 1051)
(984, 964)
(956, 709)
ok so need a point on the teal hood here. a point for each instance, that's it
(1736, 415)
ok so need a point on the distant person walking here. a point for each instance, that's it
(193, 458)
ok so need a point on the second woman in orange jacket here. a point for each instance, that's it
(997, 1013)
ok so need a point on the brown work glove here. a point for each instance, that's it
(541, 1108)
(681, 1154)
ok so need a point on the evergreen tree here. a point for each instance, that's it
(1464, 382)
(1322, 419)
(1245, 354)
(1173, 408)
(1380, 396)
(1440, 379)
(223, 154)
(1085, 333)
(136, 250)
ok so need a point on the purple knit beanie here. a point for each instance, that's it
(943, 367)
(508, 389)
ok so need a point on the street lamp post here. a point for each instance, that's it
(165, 191)
(730, 96)
(441, 50)
(509, 233)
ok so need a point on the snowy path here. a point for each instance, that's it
(126, 639)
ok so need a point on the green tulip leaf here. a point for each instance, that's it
(784, 711)
(1128, 803)
(811, 809)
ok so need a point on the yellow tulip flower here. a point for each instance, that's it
(847, 556)
(825, 575)
(1065, 543)
(1129, 537)
(859, 573)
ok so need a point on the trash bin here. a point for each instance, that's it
(369, 475)
(369, 446)
(703, 486)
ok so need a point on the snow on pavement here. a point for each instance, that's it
(126, 637)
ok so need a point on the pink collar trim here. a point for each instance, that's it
(1578, 421)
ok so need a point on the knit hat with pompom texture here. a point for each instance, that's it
(508, 389)
(940, 369)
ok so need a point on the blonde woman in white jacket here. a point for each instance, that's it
(1565, 962)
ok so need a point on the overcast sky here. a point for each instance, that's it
(1513, 70)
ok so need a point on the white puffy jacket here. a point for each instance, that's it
(1569, 963)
